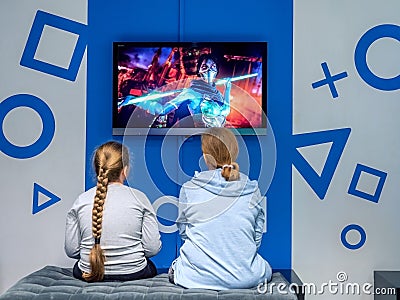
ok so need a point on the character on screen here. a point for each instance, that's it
(199, 105)
(202, 100)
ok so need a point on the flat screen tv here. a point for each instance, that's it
(181, 88)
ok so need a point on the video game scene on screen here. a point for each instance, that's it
(188, 87)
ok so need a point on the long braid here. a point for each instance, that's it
(97, 213)
(109, 161)
(96, 256)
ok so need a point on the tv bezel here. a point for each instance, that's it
(142, 131)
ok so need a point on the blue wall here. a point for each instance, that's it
(162, 164)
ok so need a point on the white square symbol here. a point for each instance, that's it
(367, 183)
(56, 46)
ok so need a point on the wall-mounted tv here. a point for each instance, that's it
(181, 88)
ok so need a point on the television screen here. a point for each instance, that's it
(182, 88)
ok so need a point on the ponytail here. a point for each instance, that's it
(220, 149)
(230, 172)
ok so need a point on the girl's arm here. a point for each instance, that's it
(150, 235)
(72, 240)
(181, 220)
(257, 201)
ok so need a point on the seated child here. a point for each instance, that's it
(111, 228)
(221, 222)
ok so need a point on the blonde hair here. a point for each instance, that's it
(220, 149)
(109, 161)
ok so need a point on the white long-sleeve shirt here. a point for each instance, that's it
(129, 230)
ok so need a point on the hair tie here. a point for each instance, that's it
(97, 240)
(227, 166)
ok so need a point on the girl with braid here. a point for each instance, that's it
(221, 221)
(112, 229)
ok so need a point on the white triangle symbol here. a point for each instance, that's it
(42, 198)
(316, 155)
